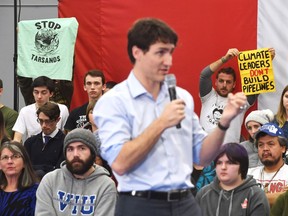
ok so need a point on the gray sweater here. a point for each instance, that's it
(252, 151)
(60, 193)
(247, 199)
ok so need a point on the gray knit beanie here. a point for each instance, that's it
(260, 116)
(84, 136)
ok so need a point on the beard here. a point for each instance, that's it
(222, 95)
(81, 167)
(270, 162)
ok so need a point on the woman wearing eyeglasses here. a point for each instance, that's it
(18, 183)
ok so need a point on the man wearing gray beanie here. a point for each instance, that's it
(253, 123)
(79, 186)
(84, 136)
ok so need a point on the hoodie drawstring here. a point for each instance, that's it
(219, 201)
(231, 203)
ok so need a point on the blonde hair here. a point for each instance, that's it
(281, 115)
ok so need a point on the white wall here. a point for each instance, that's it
(30, 9)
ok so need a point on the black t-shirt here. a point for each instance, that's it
(76, 118)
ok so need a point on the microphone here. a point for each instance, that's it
(170, 79)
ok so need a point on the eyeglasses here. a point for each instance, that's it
(12, 157)
(47, 121)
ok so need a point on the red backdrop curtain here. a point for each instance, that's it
(206, 30)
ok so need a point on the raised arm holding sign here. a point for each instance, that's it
(214, 99)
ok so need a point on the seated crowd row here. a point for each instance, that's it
(62, 152)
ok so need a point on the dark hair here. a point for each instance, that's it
(111, 84)
(236, 154)
(27, 177)
(95, 73)
(1, 83)
(229, 71)
(44, 81)
(282, 140)
(148, 31)
(50, 109)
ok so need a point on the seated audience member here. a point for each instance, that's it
(26, 124)
(18, 183)
(271, 145)
(9, 114)
(109, 85)
(62, 94)
(80, 187)
(46, 148)
(253, 122)
(90, 125)
(3, 133)
(94, 85)
(282, 113)
(232, 191)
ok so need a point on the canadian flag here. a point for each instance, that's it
(244, 204)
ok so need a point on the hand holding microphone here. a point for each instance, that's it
(170, 79)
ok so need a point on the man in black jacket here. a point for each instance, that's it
(46, 148)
